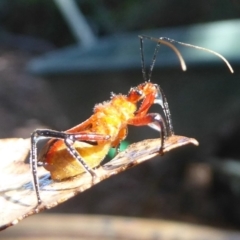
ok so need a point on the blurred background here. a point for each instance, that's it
(59, 58)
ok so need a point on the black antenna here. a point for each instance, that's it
(169, 41)
(142, 59)
(153, 61)
(144, 72)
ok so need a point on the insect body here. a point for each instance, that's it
(106, 128)
(84, 146)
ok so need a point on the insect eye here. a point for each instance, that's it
(139, 92)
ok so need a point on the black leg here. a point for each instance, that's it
(69, 139)
(158, 123)
(155, 121)
(69, 143)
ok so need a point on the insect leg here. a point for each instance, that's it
(58, 135)
(69, 141)
(142, 59)
(157, 97)
(33, 165)
(161, 99)
(153, 120)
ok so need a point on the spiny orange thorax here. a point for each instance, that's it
(110, 117)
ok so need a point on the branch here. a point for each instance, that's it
(17, 197)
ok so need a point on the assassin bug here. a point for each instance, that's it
(84, 146)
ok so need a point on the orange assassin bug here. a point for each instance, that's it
(83, 147)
